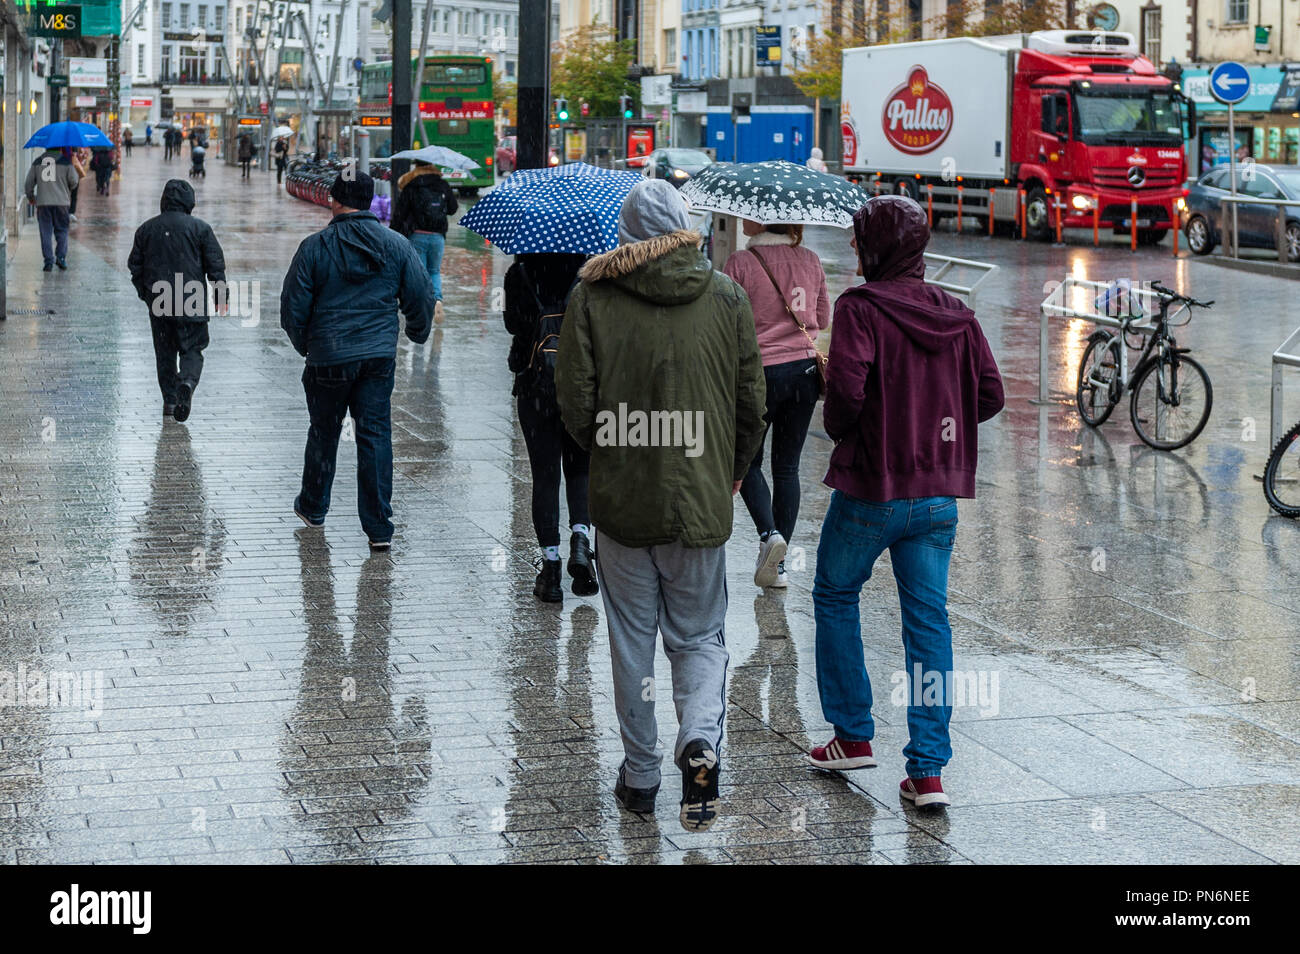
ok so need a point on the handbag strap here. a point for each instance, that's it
(780, 294)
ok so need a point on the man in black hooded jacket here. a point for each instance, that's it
(174, 256)
(339, 307)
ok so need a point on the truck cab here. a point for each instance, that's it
(1099, 132)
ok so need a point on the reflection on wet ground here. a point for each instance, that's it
(273, 694)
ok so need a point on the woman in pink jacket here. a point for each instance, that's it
(787, 289)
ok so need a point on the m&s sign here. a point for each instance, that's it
(59, 20)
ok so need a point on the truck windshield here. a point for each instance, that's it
(1127, 116)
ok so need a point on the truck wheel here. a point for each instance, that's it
(1037, 220)
(1151, 236)
(1200, 239)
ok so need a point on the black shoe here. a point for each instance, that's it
(634, 799)
(581, 567)
(547, 588)
(184, 394)
(314, 524)
(49, 267)
(63, 266)
(700, 771)
(169, 410)
(380, 546)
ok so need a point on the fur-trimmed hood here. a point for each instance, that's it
(769, 238)
(668, 269)
(415, 172)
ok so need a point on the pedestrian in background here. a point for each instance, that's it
(424, 201)
(787, 292)
(168, 143)
(815, 161)
(245, 154)
(174, 255)
(49, 187)
(148, 134)
(77, 159)
(280, 152)
(127, 140)
(102, 164)
(654, 335)
(537, 288)
(339, 308)
(911, 377)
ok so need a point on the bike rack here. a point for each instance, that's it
(1075, 299)
(1279, 233)
(1286, 356)
(943, 264)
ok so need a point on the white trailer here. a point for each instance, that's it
(941, 108)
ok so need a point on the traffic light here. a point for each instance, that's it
(562, 109)
(625, 106)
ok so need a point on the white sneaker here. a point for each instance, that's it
(770, 554)
(438, 312)
(72, 217)
(782, 581)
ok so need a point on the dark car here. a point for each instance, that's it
(675, 165)
(1207, 219)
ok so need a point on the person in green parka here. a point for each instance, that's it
(659, 376)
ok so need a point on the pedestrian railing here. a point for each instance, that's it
(1287, 356)
(1279, 230)
(943, 270)
(1075, 299)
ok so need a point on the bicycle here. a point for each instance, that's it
(1171, 392)
(1282, 475)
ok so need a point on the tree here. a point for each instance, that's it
(590, 65)
(505, 94)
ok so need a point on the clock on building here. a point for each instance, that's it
(1103, 17)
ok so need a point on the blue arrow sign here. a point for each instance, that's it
(1229, 83)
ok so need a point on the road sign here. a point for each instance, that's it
(1229, 83)
(57, 79)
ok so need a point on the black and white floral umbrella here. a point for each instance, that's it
(775, 193)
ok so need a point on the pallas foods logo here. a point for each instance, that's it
(918, 115)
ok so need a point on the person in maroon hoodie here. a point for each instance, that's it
(910, 378)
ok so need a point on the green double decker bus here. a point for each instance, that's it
(455, 110)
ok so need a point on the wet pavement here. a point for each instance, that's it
(272, 694)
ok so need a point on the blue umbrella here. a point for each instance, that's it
(66, 133)
(553, 210)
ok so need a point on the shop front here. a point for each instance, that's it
(1267, 122)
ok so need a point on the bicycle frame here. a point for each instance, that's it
(1159, 333)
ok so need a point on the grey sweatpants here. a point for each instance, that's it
(680, 592)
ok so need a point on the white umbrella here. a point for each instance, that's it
(281, 131)
(439, 156)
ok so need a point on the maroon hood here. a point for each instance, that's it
(892, 234)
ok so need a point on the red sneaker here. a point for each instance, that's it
(837, 754)
(924, 791)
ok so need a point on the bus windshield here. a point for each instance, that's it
(454, 74)
(1126, 116)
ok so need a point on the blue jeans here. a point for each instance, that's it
(428, 248)
(365, 388)
(53, 223)
(919, 535)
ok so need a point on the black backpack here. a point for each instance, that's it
(539, 375)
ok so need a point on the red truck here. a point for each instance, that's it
(1023, 127)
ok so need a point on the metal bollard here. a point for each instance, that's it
(1173, 219)
(929, 205)
(992, 193)
(1096, 221)
(1133, 223)
(959, 207)
(1021, 214)
(1058, 219)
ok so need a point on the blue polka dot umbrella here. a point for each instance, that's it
(775, 193)
(571, 208)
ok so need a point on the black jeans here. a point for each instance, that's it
(364, 388)
(243, 164)
(178, 352)
(550, 450)
(791, 400)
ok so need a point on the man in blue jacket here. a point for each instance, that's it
(339, 307)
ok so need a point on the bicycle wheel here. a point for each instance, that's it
(1097, 391)
(1171, 401)
(1282, 475)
